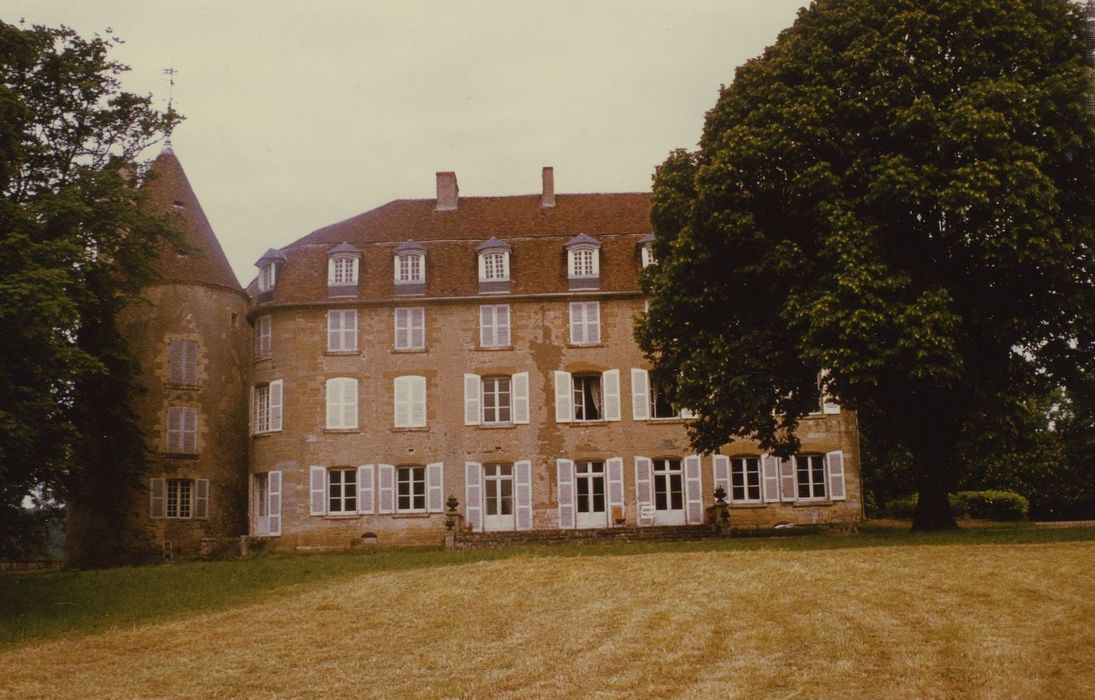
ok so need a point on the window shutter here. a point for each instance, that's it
(640, 394)
(190, 430)
(593, 316)
(273, 502)
(565, 473)
(486, 326)
(174, 429)
(275, 405)
(610, 381)
(418, 401)
(318, 481)
(564, 398)
(615, 469)
(349, 329)
(501, 324)
(418, 328)
(473, 495)
(356, 267)
(721, 473)
(836, 475)
(523, 494)
(482, 267)
(643, 479)
(331, 270)
(787, 479)
(175, 362)
(435, 487)
(157, 503)
(577, 323)
(693, 490)
(519, 383)
(386, 488)
(334, 398)
(365, 488)
(201, 499)
(252, 409)
(402, 328)
(402, 402)
(472, 392)
(349, 403)
(770, 472)
(333, 328)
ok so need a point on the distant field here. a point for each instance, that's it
(994, 613)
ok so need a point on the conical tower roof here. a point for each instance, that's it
(169, 190)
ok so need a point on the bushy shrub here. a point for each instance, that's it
(905, 508)
(995, 505)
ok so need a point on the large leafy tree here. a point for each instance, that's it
(75, 248)
(900, 194)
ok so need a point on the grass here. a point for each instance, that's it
(984, 612)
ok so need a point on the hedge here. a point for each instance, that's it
(983, 505)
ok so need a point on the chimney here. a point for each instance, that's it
(547, 199)
(447, 191)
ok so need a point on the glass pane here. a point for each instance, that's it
(583, 495)
(492, 497)
(675, 482)
(507, 496)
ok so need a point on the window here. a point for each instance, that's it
(498, 488)
(650, 398)
(494, 272)
(745, 479)
(496, 400)
(410, 490)
(583, 263)
(342, 330)
(659, 402)
(179, 498)
(410, 402)
(648, 255)
(263, 336)
(495, 267)
(585, 323)
(342, 270)
(587, 397)
(810, 476)
(668, 484)
(410, 268)
(341, 403)
(182, 430)
(266, 407)
(180, 493)
(182, 364)
(494, 326)
(267, 277)
(342, 490)
(410, 328)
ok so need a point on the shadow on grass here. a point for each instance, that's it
(49, 605)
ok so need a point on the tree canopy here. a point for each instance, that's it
(900, 194)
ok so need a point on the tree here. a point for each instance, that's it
(75, 248)
(900, 194)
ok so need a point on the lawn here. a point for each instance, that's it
(980, 613)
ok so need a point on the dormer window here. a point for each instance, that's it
(646, 250)
(268, 266)
(583, 262)
(410, 268)
(343, 262)
(493, 266)
(267, 277)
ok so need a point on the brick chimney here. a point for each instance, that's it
(447, 191)
(547, 199)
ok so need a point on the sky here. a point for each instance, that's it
(301, 114)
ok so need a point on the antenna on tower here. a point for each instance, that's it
(170, 73)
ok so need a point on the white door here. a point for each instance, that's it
(261, 505)
(590, 491)
(498, 497)
(668, 492)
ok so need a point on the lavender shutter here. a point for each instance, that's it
(334, 325)
(273, 502)
(615, 469)
(523, 493)
(317, 479)
(501, 320)
(174, 429)
(201, 499)
(486, 326)
(472, 391)
(721, 473)
(643, 479)
(770, 472)
(402, 328)
(787, 479)
(435, 489)
(836, 475)
(473, 495)
(275, 405)
(610, 382)
(349, 323)
(564, 398)
(640, 394)
(365, 497)
(156, 500)
(565, 472)
(386, 488)
(519, 382)
(693, 490)
(577, 323)
(593, 322)
(418, 328)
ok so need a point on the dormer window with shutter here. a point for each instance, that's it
(410, 268)
(493, 266)
(343, 262)
(269, 267)
(583, 262)
(646, 250)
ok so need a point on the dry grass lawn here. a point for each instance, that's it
(988, 621)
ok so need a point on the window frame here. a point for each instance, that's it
(811, 472)
(586, 322)
(410, 314)
(583, 262)
(344, 332)
(267, 278)
(409, 390)
(577, 394)
(337, 405)
(498, 395)
(264, 336)
(348, 491)
(407, 263)
(343, 270)
(182, 366)
(492, 334)
(494, 266)
(740, 465)
(176, 499)
(411, 476)
(187, 441)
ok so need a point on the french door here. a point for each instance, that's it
(668, 492)
(498, 497)
(590, 483)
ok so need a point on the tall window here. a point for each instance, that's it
(410, 328)
(342, 490)
(585, 322)
(263, 336)
(182, 430)
(180, 495)
(494, 326)
(341, 403)
(410, 268)
(745, 479)
(810, 476)
(266, 408)
(648, 255)
(267, 277)
(496, 400)
(668, 484)
(495, 267)
(342, 330)
(498, 488)
(182, 362)
(410, 490)
(587, 397)
(410, 402)
(659, 402)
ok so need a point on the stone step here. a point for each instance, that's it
(469, 540)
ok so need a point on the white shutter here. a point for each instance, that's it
(472, 392)
(501, 325)
(643, 481)
(402, 328)
(519, 385)
(349, 403)
(174, 429)
(201, 499)
(402, 402)
(418, 327)
(564, 398)
(486, 326)
(252, 409)
(386, 488)
(331, 270)
(334, 400)
(273, 502)
(435, 487)
(157, 502)
(836, 475)
(640, 394)
(365, 490)
(577, 323)
(593, 317)
(317, 480)
(721, 473)
(482, 267)
(615, 468)
(190, 430)
(787, 479)
(473, 495)
(523, 494)
(349, 329)
(275, 405)
(334, 338)
(418, 401)
(693, 490)
(610, 382)
(565, 472)
(770, 471)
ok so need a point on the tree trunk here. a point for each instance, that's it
(933, 474)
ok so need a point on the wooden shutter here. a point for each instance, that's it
(157, 502)
(640, 394)
(356, 266)
(190, 430)
(519, 386)
(473, 495)
(402, 402)
(418, 401)
(331, 264)
(317, 479)
(488, 336)
(334, 404)
(334, 337)
(472, 392)
(610, 382)
(769, 467)
(365, 497)
(201, 499)
(593, 317)
(693, 490)
(275, 405)
(565, 472)
(386, 488)
(175, 362)
(402, 328)
(349, 403)
(501, 324)
(721, 473)
(418, 327)
(523, 494)
(643, 481)
(615, 469)
(273, 502)
(253, 423)
(435, 487)
(349, 329)
(835, 461)
(787, 479)
(564, 398)
(577, 323)
(174, 429)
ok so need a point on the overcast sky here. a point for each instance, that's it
(301, 114)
